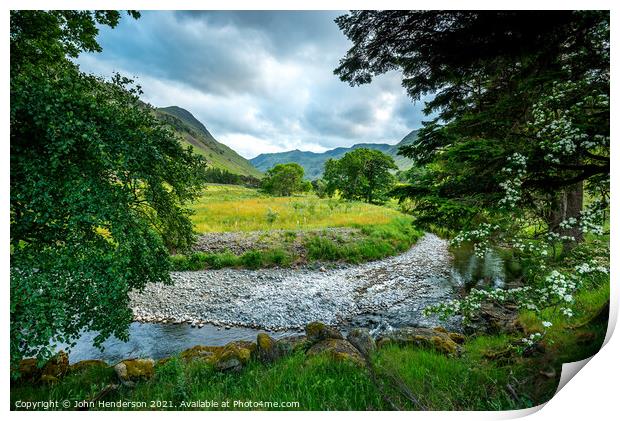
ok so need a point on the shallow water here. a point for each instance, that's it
(162, 340)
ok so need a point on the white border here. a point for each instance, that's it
(592, 394)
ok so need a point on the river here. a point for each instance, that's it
(377, 295)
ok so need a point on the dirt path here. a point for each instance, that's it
(389, 292)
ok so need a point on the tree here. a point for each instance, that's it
(521, 101)
(510, 89)
(362, 174)
(98, 187)
(284, 179)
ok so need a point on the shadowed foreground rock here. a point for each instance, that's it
(338, 349)
(361, 339)
(317, 331)
(421, 337)
(50, 373)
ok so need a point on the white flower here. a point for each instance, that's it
(547, 324)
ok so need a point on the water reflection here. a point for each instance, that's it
(470, 271)
(159, 341)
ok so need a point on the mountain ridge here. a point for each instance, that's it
(195, 134)
(313, 162)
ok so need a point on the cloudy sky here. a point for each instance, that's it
(259, 81)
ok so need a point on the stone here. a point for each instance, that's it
(232, 356)
(86, 364)
(317, 331)
(338, 349)
(57, 366)
(130, 371)
(49, 380)
(291, 344)
(421, 337)
(459, 338)
(267, 350)
(30, 371)
(362, 341)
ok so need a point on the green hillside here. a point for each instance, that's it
(194, 133)
(313, 162)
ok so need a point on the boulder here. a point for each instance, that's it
(338, 349)
(421, 337)
(232, 356)
(266, 350)
(30, 371)
(317, 331)
(361, 339)
(57, 366)
(130, 371)
(493, 318)
(291, 344)
(86, 364)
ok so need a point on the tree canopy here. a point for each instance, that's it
(284, 179)
(512, 93)
(362, 174)
(98, 187)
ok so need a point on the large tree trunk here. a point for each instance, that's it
(567, 204)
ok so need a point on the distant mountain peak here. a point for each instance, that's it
(194, 133)
(313, 162)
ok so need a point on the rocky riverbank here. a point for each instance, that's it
(389, 292)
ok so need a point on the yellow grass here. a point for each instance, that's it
(235, 208)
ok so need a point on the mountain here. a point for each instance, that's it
(195, 134)
(313, 162)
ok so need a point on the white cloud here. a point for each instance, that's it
(259, 82)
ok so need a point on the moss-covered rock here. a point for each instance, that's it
(86, 364)
(266, 350)
(30, 370)
(130, 371)
(317, 331)
(232, 356)
(49, 380)
(362, 341)
(421, 337)
(338, 349)
(291, 344)
(57, 366)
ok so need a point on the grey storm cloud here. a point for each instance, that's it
(261, 81)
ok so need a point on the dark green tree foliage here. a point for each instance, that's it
(97, 187)
(487, 72)
(222, 176)
(284, 180)
(362, 174)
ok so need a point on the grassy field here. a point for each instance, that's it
(490, 374)
(225, 208)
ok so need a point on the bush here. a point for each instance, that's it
(252, 259)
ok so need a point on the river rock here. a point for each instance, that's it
(420, 337)
(361, 339)
(130, 371)
(232, 356)
(56, 367)
(266, 350)
(86, 364)
(338, 349)
(317, 331)
(291, 344)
